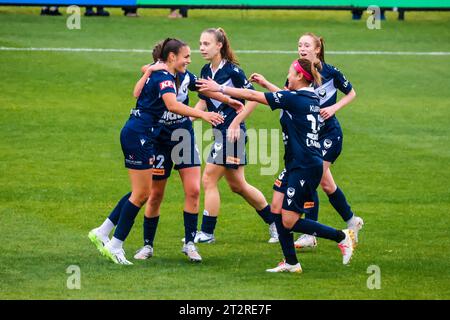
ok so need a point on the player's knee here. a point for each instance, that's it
(155, 198)
(193, 193)
(327, 186)
(237, 187)
(288, 223)
(140, 196)
(208, 182)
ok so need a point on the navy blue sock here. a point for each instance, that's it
(150, 225)
(209, 224)
(190, 226)
(115, 214)
(313, 213)
(317, 229)
(266, 215)
(286, 239)
(338, 201)
(126, 220)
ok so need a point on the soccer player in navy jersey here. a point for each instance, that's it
(300, 122)
(331, 138)
(137, 140)
(182, 156)
(227, 158)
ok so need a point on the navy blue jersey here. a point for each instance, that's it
(173, 121)
(150, 106)
(299, 120)
(230, 75)
(332, 80)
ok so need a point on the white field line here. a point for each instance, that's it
(399, 53)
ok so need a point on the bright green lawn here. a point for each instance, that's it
(61, 168)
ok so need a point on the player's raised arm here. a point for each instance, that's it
(246, 94)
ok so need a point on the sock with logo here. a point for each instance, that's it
(286, 239)
(315, 228)
(208, 223)
(339, 202)
(266, 215)
(126, 220)
(150, 226)
(190, 226)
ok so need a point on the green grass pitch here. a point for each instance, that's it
(61, 167)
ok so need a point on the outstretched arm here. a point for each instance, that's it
(259, 79)
(246, 94)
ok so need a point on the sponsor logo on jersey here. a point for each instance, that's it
(166, 84)
(314, 108)
(308, 205)
(277, 183)
(290, 192)
(233, 160)
(158, 172)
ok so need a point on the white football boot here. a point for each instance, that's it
(273, 233)
(285, 267)
(346, 246)
(98, 239)
(144, 253)
(306, 241)
(355, 224)
(191, 251)
(116, 255)
(202, 237)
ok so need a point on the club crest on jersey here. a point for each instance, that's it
(217, 146)
(290, 192)
(322, 93)
(327, 143)
(166, 84)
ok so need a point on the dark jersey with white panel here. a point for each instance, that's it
(300, 124)
(230, 75)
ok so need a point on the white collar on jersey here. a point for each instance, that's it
(309, 89)
(222, 63)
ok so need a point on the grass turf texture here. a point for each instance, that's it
(62, 168)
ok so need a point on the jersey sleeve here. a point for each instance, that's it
(341, 82)
(278, 100)
(165, 84)
(192, 81)
(239, 79)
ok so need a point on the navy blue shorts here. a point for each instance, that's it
(300, 189)
(179, 154)
(228, 154)
(281, 182)
(331, 145)
(137, 149)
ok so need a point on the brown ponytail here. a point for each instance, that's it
(157, 50)
(319, 43)
(311, 68)
(226, 52)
